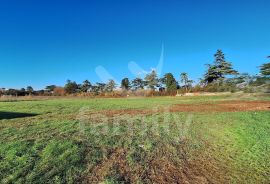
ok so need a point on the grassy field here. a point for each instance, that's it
(135, 140)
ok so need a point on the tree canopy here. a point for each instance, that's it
(186, 81)
(265, 69)
(137, 83)
(110, 86)
(169, 81)
(125, 85)
(151, 80)
(50, 88)
(29, 89)
(85, 86)
(219, 69)
(71, 87)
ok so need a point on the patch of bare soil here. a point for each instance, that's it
(224, 106)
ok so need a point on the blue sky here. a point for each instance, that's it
(48, 42)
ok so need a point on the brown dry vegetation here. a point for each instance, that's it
(222, 106)
(159, 167)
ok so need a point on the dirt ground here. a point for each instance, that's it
(224, 106)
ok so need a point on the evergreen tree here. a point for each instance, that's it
(151, 80)
(29, 89)
(265, 69)
(100, 86)
(95, 89)
(125, 85)
(22, 92)
(137, 83)
(110, 86)
(71, 87)
(211, 74)
(85, 86)
(50, 88)
(219, 69)
(169, 81)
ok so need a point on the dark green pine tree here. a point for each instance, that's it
(223, 67)
(169, 81)
(125, 85)
(152, 80)
(137, 83)
(265, 69)
(71, 87)
(219, 69)
(85, 86)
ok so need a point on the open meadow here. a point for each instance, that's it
(203, 139)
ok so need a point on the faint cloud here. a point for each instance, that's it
(133, 67)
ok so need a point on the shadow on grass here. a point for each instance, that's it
(12, 115)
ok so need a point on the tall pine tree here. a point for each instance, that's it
(125, 85)
(137, 83)
(169, 81)
(151, 80)
(219, 69)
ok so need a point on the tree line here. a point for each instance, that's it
(214, 79)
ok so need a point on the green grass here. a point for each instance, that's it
(54, 145)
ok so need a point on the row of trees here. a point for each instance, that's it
(72, 87)
(215, 77)
(18, 92)
(152, 82)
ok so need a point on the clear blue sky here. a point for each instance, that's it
(47, 42)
